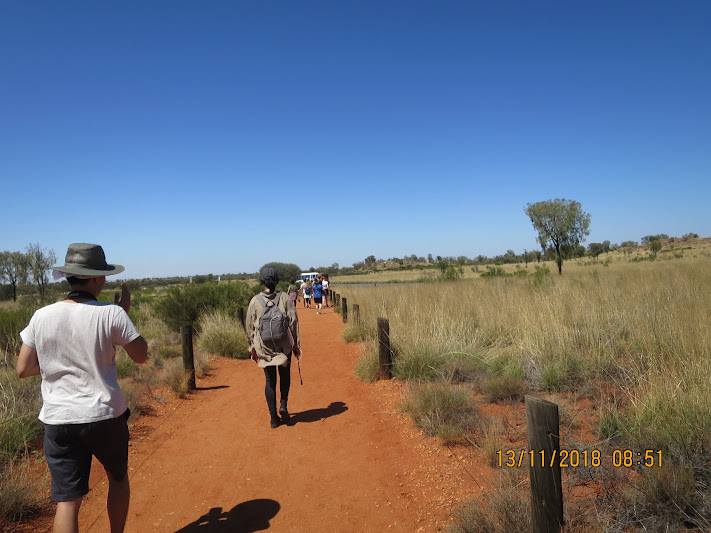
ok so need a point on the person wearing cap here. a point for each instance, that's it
(273, 356)
(71, 345)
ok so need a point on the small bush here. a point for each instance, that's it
(462, 368)
(494, 272)
(358, 333)
(222, 335)
(441, 410)
(20, 403)
(176, 378)
(506, 379)
(136, 398)
(19, 496)
(421, 365)
(367, 368)
(505, 510)
(12, 321)
(183, 306)
(125, 366)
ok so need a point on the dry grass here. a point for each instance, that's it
(633, 336)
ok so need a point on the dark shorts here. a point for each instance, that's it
(318, 300)
(70, 447)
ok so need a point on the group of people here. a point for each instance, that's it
(71, 345)
(316, 290)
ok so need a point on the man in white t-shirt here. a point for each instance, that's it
(71, 345)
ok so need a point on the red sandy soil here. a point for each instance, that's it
(348, 461)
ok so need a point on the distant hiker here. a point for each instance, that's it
(70, 344)
(307, 291)
(318, 295)
(293, 294)
(324, 282)
(273, 333)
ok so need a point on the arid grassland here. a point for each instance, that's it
(631, 337)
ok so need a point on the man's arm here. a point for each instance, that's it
(137, 350)
(27, 362)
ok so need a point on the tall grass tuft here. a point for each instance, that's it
(20, 403)
(442, 411)
(220, 334)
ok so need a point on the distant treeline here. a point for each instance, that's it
(27, 273)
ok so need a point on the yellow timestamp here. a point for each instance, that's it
(579, 458)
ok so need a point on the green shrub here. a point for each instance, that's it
(494, 272)
(183, 306)
(462, 368)
(222, 335)
(441, 410)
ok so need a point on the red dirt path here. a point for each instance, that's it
(349, 462)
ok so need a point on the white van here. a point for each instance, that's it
(307, 276)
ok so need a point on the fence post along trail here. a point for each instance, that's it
(385, 355)
(544, 445)
(344, 310)
(186, 332)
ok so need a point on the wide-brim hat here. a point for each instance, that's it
(84, 259)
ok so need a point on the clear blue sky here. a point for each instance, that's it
(193, 137)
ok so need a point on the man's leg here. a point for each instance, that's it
(117, 503)
(66, 519)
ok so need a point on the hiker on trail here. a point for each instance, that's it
(70, 344)
(306, 289)
(318, 295)
(324, 282)
(293, 294)
(273, 333)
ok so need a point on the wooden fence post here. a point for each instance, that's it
(544, 443)
(344, 311)
(385, 356)
(240, 316)
(356, 314)
(186, 332)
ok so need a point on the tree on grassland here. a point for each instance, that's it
(40, 261)
(561, 224)
(288, 272)
(13, 269)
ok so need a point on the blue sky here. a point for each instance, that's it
(213, 137)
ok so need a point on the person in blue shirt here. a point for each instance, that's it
(318, 294)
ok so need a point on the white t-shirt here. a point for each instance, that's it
(325, 284)
(75, 345)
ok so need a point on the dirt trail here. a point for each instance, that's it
(348, 461)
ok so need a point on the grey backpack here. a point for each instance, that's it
(272, 324)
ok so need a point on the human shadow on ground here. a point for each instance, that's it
(315, 415)
(246, 517)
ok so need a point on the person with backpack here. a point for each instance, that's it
(318, 295)
(324, 282)
(307, 290)
(273, 334)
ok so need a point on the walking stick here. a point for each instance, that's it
(298, 364)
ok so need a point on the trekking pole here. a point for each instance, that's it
(298, 364)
